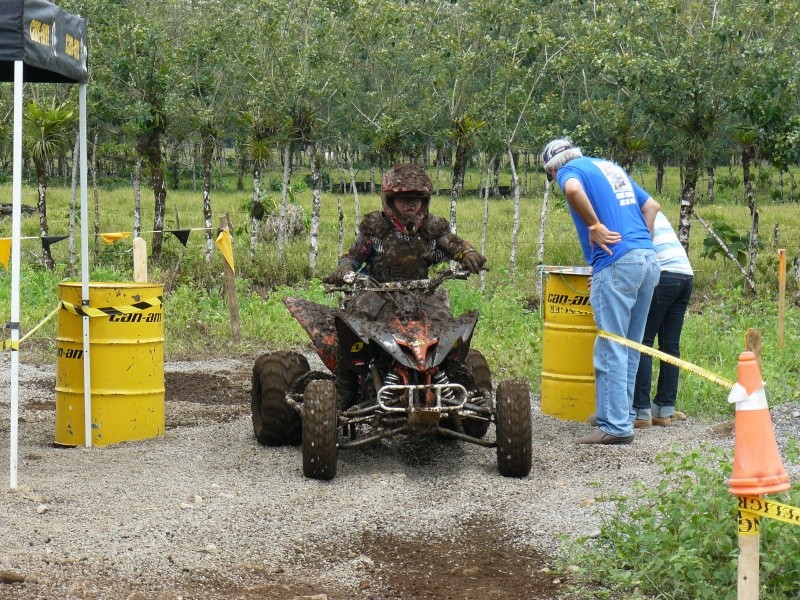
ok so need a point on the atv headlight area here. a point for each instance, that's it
(420, 349)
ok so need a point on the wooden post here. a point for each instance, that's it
(139, 260)
(781, 294)
(230, 286)
(753, 344)
(749, 541)
(749, 526)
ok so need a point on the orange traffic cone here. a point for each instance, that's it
(757, 466)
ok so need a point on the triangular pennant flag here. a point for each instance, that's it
(48, 240)
(5, 251)
(181, 234)
(225, 244)
(110, 238)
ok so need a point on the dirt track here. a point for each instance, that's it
(205, 512)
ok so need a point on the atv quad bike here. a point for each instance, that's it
(409, 362)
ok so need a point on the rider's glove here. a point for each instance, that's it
(472, 261)
(337, 277)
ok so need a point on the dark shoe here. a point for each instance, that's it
(643, 423)
(601, 437)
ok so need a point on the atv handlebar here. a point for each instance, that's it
(358, 282)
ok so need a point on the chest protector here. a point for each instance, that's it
(400, 257)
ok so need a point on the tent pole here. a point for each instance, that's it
(87, 371)
(16, 228)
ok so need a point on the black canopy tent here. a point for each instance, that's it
(41, 43)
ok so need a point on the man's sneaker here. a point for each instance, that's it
(592, 420)
(644, 423)
(601, 437)
(667, 421)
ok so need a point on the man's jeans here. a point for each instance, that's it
(620, 297)
(665, 320)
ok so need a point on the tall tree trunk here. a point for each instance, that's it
(208, 144)
(438, 170)
(340, 224)
(540, 242)
(137, 197)
(95, 194)
(356, 203)
(515, 225)
(316, 206)
(257, 208)
(687, 198)
(660, 168)
(287, 170)
(73, 201)
(710, 172)
(149, 145)
(485, 227)
(748, 154)
(240, 172)
(459, 168)
(498, 159)
(44, 230)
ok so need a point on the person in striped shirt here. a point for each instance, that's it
(665, 321)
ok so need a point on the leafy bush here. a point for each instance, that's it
(679, 540)
(737, 243)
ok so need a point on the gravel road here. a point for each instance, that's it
(205, 512)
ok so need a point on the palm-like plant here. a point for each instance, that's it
(47, 134)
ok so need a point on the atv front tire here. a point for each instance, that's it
(275, 422)
(320, 432)
(513, 426)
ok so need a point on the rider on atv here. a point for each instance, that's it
(397, 244)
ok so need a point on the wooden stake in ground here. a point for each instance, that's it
(230, 285)
(139, 260)
(781, 294)
(748, 578)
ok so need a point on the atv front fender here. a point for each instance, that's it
(318, 321)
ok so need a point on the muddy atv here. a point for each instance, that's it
(408, 370)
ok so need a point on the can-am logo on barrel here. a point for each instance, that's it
(563, 303)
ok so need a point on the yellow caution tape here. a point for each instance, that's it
(668, 358)
(9, 345)
(109, 311)
(749, 523)
(768, 508)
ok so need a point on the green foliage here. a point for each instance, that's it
(737, 243)
(730, 181)
(679, 539)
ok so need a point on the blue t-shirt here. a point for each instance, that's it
(617, 202)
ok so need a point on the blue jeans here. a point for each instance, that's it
(665, 320)
(620, 298)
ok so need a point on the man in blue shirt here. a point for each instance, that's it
(614, 220)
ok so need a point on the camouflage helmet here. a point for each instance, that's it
(406, 178)
(411, 179)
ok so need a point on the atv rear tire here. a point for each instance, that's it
(473, 374)
(320, 431)
(275, 422)
(477, 365)
(513, 425)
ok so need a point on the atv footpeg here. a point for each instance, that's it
(419, 397)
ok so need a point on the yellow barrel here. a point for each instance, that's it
(126, 358)
(567, 344)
